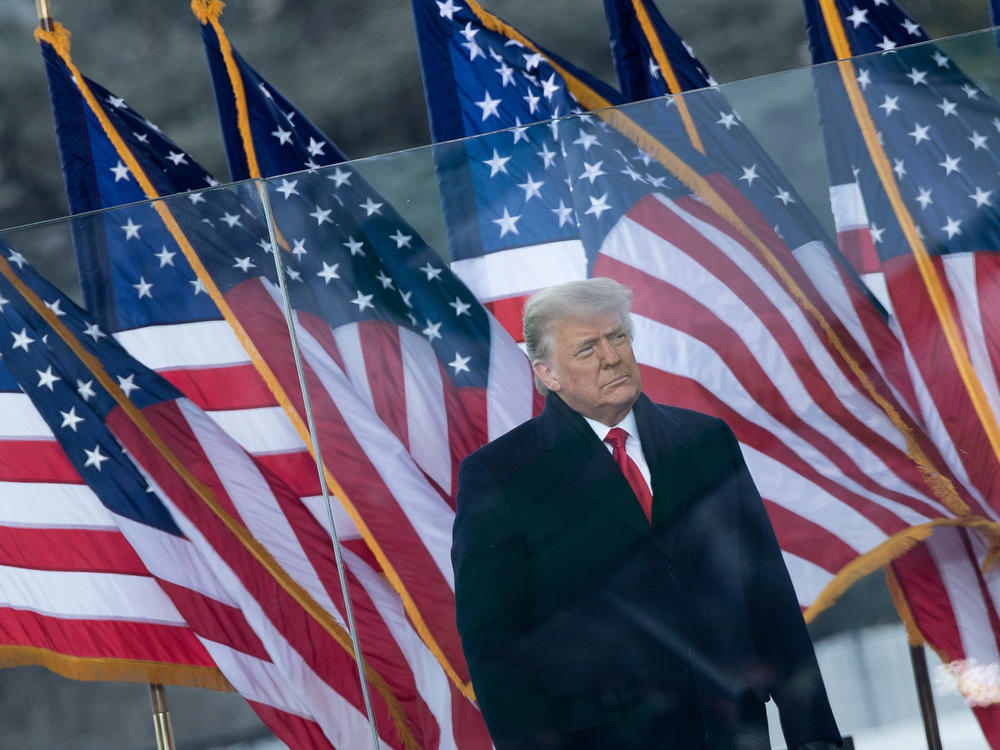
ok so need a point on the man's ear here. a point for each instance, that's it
(543, 371)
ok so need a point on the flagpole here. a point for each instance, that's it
(272, 231)
(918, 659)
(161, 716)
(44, 14)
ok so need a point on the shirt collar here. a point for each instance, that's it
(628, 424)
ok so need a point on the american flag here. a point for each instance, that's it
(726, 319)
(201, 516)
(907, 137)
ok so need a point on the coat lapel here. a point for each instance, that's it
(579, 458)
(664, 446)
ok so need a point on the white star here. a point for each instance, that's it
(405, 296)
(948, 107)
(47, 378)
(654, 69)
(978, 141)
(315, 147)
(166, 257)
(497, 163)
(550, 87)
(864, 78)
(115, 101)
(489, 106)
(507, 223)
(231, 219)
(70, 419)
(598, 206)
(876, 233)
(94, 332)
(293, 274)
(131, 229)
(586, 140)
(924, 197)
(970, 91)
(889, 105)
(199, 286)
(401, 240)
(506, 74)
(383, 279)
(564, 212)
(532, 101)
(591, 171)
(899, 168)
(22, 340)
(919, 133)
(127, 384)
(371, 207)
(196, 198)
(950, 164)
(287, 188)
(95, 458)
(321, 215)
(142, 288)
(16, 258)
(981, 197)
(121, 171)
(54, 306)
(363, 301)
(858, 16)
(461, 308)
(951, 228)
(531, 188)
(432, 331)
(749, 174)
(726, 120)
(460, 363)
(244, 264)
(354, 246)
(3, 301)
(548, 157)
(299, 247)
(328, 273)
(340, 177)
(177, 158)
(911, 27)
(431, 271)
(448, 9)
(86, 390)
(784, 196)
(886, 45)
(283, 136)
(474, 49)
(917, 76)
(940, 59)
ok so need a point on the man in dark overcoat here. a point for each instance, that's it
(618, 583)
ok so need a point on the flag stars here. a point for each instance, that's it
(749, 174)
(94, 332)
(950, 164)
(978, 141)
(941, 60)
(924, 197)
(322, 215)
(919, 133)
(431, 271)
(889, 105)
(16, 258)
(532, 101)
(899, 168)
(199, 287)
(489, 106)
(876, 233)
(507, 223)
(592, 171)
(951, 228)
(354, 246)
(586, 140)
(726, 120)
(244, 264)
(143, 288)
(858, 16)
(94, 457)
(917, 76)
(120, 171)
(460, 363)
(432, 331)
(340, 177)
(598, 206)
(383, 279)
(131, 229)
(115, 101)
(947, 106)
(448, 9)
(177, 157)
(531, 188)
(401, 240)
(165, 256)
(231, 220)
(981, 197)
(864, 78)
(970, 91)
(288, 188)
(85, 390)
(54, 306)
(549, 157)
(886, 45)
(506, 74)
(47, 378)
(22, 340)
(70, 419)
(654, 70)
(299, 248)
(329, 272)
(127, 384)
(461, 308)
(550, 87)
(363, 301)
(315, 148)
(564, 212)
(284, 136)
(497, 164)
(784, 196)
(371, 207)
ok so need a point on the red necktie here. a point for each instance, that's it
(616, 439)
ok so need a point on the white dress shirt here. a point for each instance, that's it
(632, 445)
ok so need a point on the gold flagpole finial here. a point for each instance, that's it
(44, 15)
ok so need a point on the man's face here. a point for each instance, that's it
(592, 366)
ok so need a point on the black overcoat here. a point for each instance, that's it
(586, 627)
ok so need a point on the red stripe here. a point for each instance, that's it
(384, 370)
(293, 730)
(222, 388)
(857, 246)
(467, 723)
(988, 288)
(35, 461)
(508, 311)
(925, 337)
(79, 550)
(103, 638)
(297, 469)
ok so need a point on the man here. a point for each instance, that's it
(595, 615)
